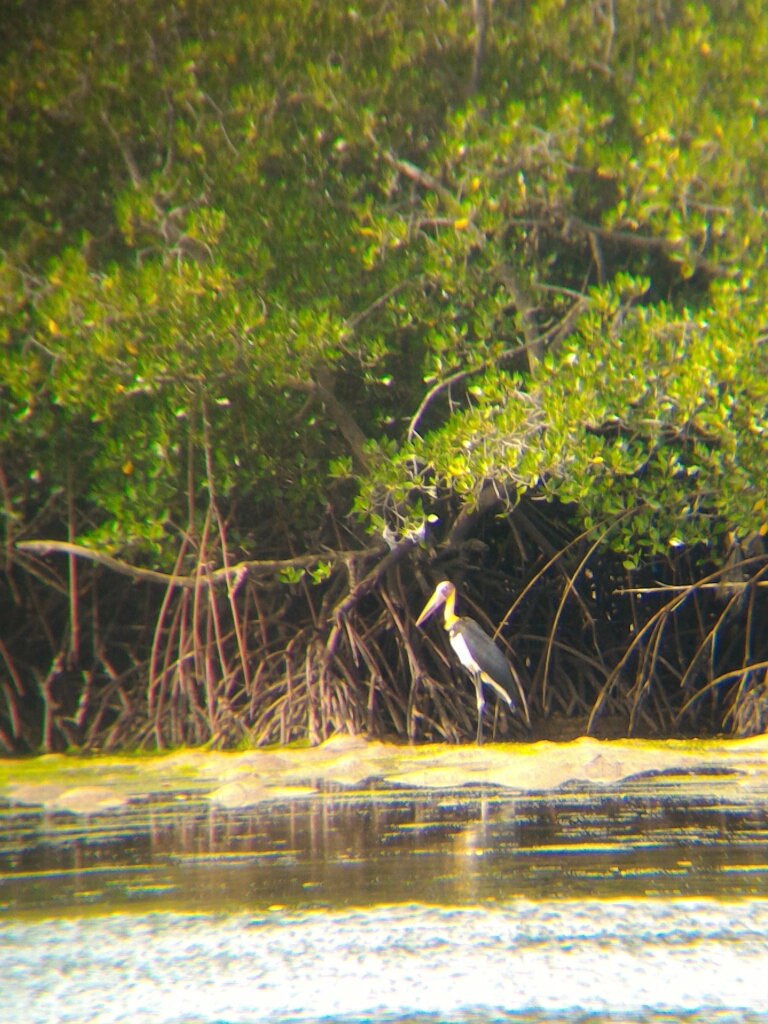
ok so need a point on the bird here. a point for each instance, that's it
(476, 651)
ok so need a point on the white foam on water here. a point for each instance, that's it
(632, 958)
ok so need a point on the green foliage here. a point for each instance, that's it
(643, 408)
(647, 393)
(205, 206)
(179, 246)
(290, 574)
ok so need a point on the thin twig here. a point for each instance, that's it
(358, 318)
(758, 666)
(159, 624)
(74, 621)
(509, 353)
(11, 668)
(663, 588)
(479, 14)
(434, 391)
(224, 554)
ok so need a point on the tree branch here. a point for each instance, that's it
(557, 332)
(363, 587)
(130, 163)
(353, 321)
(410, 170)
(435, 390)
(479, 14)
(533, 343)
(218, 577)
(568, 225)
(342, 418)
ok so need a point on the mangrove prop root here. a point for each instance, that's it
(229, 655)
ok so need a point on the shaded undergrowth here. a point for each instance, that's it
(298, 648)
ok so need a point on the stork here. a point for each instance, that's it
(476, 651)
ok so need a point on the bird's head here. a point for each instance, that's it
(443, 591)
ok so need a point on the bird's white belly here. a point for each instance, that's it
(459, 645)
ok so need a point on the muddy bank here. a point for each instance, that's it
(243, 779)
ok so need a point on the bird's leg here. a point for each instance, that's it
(480, 707)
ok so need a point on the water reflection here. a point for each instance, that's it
(340, 848)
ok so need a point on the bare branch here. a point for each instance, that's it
(479, 13)
(130, 163)
(569, 225)
(416, 174)
(533, 343)
(665, 588)
(221, 122)
(322, 386)
(365, 586)
(411, 171)
(433, 391)
(382, 299)
(237, 573)
(597, 256)
(559, 330)
(341, 416)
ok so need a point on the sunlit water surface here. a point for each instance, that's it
(643, 905)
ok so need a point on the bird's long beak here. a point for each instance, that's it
(437, 599)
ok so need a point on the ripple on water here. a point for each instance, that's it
(625, 959)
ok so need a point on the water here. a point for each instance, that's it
(644, 904)
(633, 958)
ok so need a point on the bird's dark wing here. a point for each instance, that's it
(489, 659)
